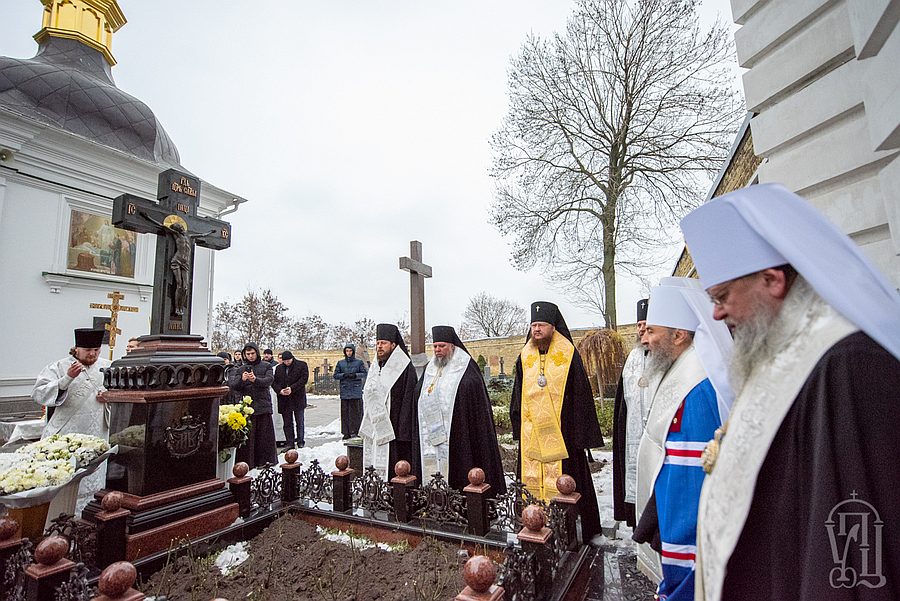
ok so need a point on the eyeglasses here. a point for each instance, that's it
(721, 297)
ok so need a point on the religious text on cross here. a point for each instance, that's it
(178, 228)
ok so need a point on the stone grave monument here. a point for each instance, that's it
(164, 396)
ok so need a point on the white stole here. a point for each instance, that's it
(637, 402)
(376, 429)
(435, 412)
(755, 419)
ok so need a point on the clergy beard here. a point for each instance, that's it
(543, 345)
(661, 358)
(758, 339)
(443, 361)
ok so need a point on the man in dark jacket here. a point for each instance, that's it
(291, 376)
(254, 381)
(269, 356)
(351, 372)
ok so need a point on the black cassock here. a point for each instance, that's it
(473, 437)
(622, 510)
(838, 438)
(403, 419)
(580, 430)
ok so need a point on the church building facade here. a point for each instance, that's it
(70, 142)
(823, 85)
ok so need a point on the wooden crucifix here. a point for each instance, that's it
(114, 308)
(418, 271)
(178, 228)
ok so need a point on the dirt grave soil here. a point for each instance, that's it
(291, 560)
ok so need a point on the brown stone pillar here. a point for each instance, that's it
(535, 539)
(290, 471)
(9, 542)
(480, 574)
(568, 499)
(476, 502)
(112, 538)
(239, 486)
(402, 482)
(51, 569)
(341, 480)
(116, 583)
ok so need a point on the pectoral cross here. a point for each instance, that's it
(114, 307)
(178, 228)
(418, 271)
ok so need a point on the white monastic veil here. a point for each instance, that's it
(767, 225)
(712, 340)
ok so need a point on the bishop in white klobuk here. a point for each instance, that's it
(806, 479)
(683, 418)
(455, 420)
(388, 422)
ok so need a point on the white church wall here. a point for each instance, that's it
(823, 79)
(48, 174)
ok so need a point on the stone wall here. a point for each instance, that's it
(493, 349)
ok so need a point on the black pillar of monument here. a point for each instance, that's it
(164, 396)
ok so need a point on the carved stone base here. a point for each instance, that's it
(157, 519)
(160, 539)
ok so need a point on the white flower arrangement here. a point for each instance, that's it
(29, 473)
(83, 448)
(132, 436)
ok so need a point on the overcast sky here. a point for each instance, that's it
(352, 128)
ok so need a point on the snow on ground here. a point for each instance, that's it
(231, 557)
(360, 542)
(323, 443)
(603, 486)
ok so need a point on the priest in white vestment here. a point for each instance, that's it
(69, 386)
(388, 422)
(632, 406)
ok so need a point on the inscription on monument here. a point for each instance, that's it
(178, 228)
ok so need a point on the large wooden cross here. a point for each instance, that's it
(175, 222)
(113, 307)
(418, 271)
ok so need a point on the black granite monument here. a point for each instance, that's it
(164, 396)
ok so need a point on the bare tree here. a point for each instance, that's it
(259, 317)
(613, 131)
(223, 337)
(490, 317)
(310, 332)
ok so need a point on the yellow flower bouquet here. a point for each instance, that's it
(234, 427)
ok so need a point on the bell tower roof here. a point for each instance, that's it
(91, 22)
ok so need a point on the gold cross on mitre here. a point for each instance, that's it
(113, 308)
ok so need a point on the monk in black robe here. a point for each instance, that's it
(574, 427)
(388, 423)
(455, 421)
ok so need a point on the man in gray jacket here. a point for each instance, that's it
(351, 372)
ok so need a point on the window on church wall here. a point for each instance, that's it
(96, 246)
